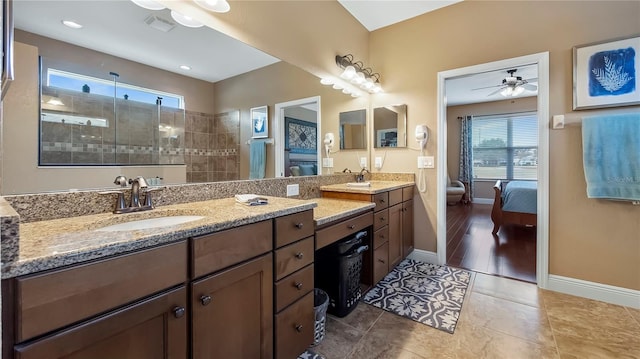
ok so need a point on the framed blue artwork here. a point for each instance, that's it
(300, 136)
(605, 74)
(259, 122)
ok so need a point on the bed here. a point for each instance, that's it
(515, 203)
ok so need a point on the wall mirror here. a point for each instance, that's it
(216, 126)
(353, 130)
(390, 126)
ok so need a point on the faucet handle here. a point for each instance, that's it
(148, 200)
(141, 181)
(121, 180)
(120, 205)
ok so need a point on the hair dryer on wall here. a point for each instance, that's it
(329, 140)
(422, 135)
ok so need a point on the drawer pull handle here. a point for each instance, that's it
(298, 286)
(382, 201)
(299, 328)
(351, 226)
(381, 260)
(299, 255)
(299, 225)
(178, 312)
(205, 299)
(382, 218)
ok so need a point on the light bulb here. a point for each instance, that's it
(326, 81)
(337, 87)
(346, 91)
(149, 4)
(214, 5)
(506, 91)
(517, 91)
(348, 73)
(368, 84)
(358, 79)
(185, 20)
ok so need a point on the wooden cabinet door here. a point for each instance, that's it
(407, 228)
(153, 328)
(395, 235)
(233, 312)
(380, 262)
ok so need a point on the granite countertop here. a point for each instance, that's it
(376, 187)
(330, 210)
(55, 243)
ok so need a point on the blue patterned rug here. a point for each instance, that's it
(426, 293)
(310, 354)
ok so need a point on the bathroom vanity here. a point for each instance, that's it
(235, 283)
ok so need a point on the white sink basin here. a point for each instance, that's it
(149, 223)
(359, 184)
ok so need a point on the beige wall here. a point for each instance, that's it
(282, 82)
(482, 189)
(20, 142)
(592, 240)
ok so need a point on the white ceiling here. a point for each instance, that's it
(117, 27)
(375, 14)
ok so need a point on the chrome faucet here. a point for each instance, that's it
(360, 176)
(137, 184)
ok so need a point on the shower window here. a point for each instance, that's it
(90, 121)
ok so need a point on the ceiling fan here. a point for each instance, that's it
(512, 85)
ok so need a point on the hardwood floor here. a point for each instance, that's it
(471, 245)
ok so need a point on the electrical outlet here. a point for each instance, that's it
(363, 162)
(378, 162)
(425, 162)
(327, 162)
(293, 190)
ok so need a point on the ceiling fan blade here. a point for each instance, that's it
(530, 87)
(535, 79)
(495, 92)
(487, 87)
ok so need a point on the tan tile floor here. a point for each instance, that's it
(500, 318)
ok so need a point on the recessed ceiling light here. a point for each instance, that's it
(72, 24)
(214, 5)
(185, 20)
(149, 4)
(185, 67)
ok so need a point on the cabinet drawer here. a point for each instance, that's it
(222, 249)
(294, 328)
(153, 328)
(336, 232)
(293, 257)
(54, 299)
(381, 200)
(380, 262)
(395, 197)
(294, 227)
(292, 287)
(380, 219)
(380, 237)
(407, 193)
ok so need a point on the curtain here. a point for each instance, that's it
(466, 157)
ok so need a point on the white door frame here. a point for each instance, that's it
(542, 233)
(278, 131)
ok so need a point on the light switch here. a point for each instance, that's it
(378, 162)
(327, 162)
(425, 162)
(558, 122)
(363, 162)
(293, 190)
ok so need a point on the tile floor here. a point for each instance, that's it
(500, 318)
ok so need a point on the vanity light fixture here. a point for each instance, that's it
(214, 5)
(185, 20)
(72, 24)
(149, 4)
(357, 74)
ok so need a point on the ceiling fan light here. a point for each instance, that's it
(149, 4)
(185, 20)
(517, 91)
(214, 5)
(507, 91)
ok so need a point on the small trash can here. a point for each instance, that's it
(320, 305)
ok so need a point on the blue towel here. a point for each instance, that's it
(257, 159)
(611, 156)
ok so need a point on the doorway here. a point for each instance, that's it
(296, 131)
(541, 61)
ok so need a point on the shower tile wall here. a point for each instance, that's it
(141, 138)
(212, 146)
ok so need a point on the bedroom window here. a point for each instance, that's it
(505, 146)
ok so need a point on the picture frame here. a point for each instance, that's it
(606, 74)
(259, 122)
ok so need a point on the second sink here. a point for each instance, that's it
(150, 223)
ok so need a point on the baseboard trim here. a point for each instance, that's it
(482, 200)
(592, 290)
(424, 256)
